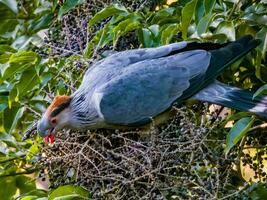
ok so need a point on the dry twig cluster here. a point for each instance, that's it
(176, 159)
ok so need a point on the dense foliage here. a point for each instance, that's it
(33, 71)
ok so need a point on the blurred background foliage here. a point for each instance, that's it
(31, 73)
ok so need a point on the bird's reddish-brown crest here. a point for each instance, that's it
(58, 100)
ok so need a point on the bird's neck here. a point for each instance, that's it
(83, 112)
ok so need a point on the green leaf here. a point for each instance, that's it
(204, 23)
(256, 19)
(262, 35)
(145, 37)
(67, 6)
(238, 116)
(19, 62)
(227, 28)
(260, 91)
(27, 82)
(4, 48)
(168, 33)
(11, 4)
(239, 130)
(154, 30)
(11, 118)
(108, 12)
(4, 58)
(9, 185)
(209, 4)
(24, 184)
(259, 191)
(41, 23)
(69, 192)
(8, 139)
(124, 27)
(187, 15)
(162, 14)
(101, 38)
(200, 10)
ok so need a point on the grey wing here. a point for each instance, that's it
(128, 57)
(148, 88)
(106, 69)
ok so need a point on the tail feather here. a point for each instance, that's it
(221, 94)
(222, 55)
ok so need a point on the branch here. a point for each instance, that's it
(31, 131)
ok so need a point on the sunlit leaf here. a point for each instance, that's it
(68, 5)
(69, 192)
(107, 12)
(19, 62)
(168, 33)
(154, 30)
(9, 183)
(187, 15)
(239, 130)
(4, 48)
(11, 4)
(124, 27)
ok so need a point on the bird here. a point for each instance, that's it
(133, 87)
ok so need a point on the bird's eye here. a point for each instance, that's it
(54, 121)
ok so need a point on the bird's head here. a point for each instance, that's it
(55, 117)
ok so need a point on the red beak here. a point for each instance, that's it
(50, 138)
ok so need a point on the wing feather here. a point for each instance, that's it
(147, 88)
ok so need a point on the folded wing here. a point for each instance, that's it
(148, 88)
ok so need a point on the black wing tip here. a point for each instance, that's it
(249, 39)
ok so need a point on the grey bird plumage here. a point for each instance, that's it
(130, 88)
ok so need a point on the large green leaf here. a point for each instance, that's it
(11, 4)
(200, 10)
(28, 81)
(11, 118)
(19, 62)
(41, 23)
(239, 130)
(259, 191)
(124, 27)
(162, 14)
(108, 12)
(4, 48)
(168, 33)
(204, 23)
(68, 5)
(145, 37)
(8, 139)
(228, 29)
(101, 38)
(8, 185)
(187, 15)
(209, 4)
(69, 192)
(262, 90)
